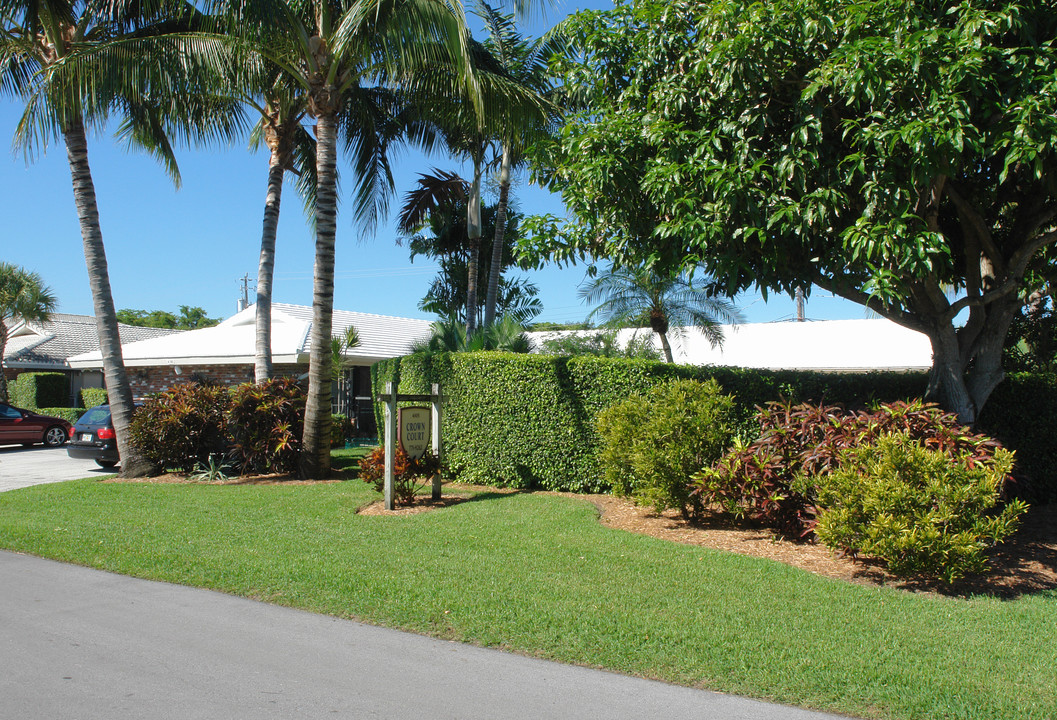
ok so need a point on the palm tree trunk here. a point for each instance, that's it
(262, 368)
(497, 244)
(473, 232)
(666, 347)
(119, 392)
(315, 457)
(3, 349)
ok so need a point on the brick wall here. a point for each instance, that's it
(147, 380)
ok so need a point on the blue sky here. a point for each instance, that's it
(168, 247)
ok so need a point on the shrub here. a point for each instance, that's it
(652, 445)
(90, 397)
(770, 479)
(409, 476)
(528, 420)
(265, 423)
(182, 427)
(71, 415)
(919, 510)
(341, 427)
(35, 390)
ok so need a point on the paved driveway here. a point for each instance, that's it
(21, 467)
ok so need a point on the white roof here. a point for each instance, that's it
(233, 341)
(833, 345)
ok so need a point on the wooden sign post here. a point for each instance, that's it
(393, 421)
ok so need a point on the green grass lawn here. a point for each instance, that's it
(538, 574)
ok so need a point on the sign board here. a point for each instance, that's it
(414, 425)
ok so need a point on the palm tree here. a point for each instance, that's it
(437, 207)
(22, 295)
(75, 64)
(524, 63)
(507, 335)
(511, 106)
(337, 52)
(646, 298)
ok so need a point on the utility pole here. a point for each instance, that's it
(244, 301)
(800, 305)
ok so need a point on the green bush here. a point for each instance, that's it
(264, 424)
(35, 390)
(770, 479)
(181, 428)
(918, 510)
(527, 421)
(1022, 413)
(341, 427)
(90, 397)
(71, 415)
(652, 445)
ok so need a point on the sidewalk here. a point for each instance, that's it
(86, 644)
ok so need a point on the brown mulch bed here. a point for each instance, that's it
(1024, 564)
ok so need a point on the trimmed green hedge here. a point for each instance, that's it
(40, 390)
(527, 421)
(1022, 413)
(90, 397)
(70, 414)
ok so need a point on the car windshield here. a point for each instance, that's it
(96, 416)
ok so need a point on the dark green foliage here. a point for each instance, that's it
(409, 476)
(1022, 413)
(771, 480)
(919, 510)
(71, 415)
(190, 318)
(341, 428)
(182, 427)
(35, 390)
(90, 397)
(653, 444)
(265, 423)
(527, 421)
(601, 343)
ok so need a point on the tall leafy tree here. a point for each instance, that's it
(901, 155)
(77, 64)
(663, 303)
(23, 296)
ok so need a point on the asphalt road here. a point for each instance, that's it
(80, 644)
(22, 467)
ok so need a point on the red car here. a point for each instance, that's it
(25, 427)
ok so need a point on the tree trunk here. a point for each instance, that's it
(473, 232)
(666, 347)
(262, 368)
(315, 457)
(3, 349)
(497, 245)
(119, 393)
(986, 372)
(947, 376)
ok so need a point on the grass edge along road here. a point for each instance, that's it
(538, 574)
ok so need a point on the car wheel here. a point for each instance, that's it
(54, 436)
(106, 463)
